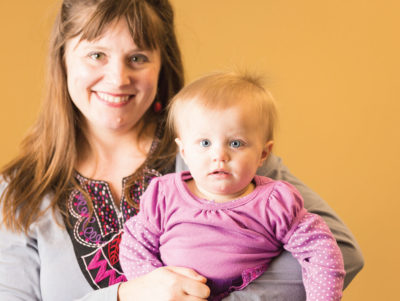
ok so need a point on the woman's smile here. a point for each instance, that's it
(114, 100)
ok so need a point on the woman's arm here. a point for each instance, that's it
(19, 263)
(105, 294)
(166, 283)
(19, 267)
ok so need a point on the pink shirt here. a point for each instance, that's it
(231, 243)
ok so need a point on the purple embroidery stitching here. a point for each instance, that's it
(85, 227)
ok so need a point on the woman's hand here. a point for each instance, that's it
(166, 283)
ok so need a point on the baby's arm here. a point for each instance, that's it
(309, 240)
(352, 256)
(314, 246)
(139, 249)
(139, 253)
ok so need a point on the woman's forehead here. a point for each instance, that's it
(116, 32)
(143, 23)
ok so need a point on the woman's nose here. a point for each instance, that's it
(119, 74)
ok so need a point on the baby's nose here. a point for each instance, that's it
(220, 154)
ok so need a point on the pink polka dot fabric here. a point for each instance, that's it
(139, 252)
(314, 247)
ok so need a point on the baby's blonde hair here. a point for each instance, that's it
(221, 90)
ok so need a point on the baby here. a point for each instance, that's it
(220, 218)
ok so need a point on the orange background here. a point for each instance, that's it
(333, 67)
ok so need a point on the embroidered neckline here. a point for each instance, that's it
(96, 238)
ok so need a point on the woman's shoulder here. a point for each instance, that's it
(271, 168)
(44, 205)
(180, 165)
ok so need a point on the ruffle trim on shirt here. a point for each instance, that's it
(248, 276)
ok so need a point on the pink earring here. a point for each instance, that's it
(157, 106)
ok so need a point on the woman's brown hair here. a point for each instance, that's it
(45, 164)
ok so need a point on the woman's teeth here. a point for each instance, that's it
(113, 99)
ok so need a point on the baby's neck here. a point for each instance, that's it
(218, 197)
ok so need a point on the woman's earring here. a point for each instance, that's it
(157, 106)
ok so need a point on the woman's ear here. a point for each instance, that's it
(267, 149)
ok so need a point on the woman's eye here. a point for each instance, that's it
(236, 143)
(205, 143)
(96, 55)
(139, 58)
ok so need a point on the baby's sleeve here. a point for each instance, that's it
(284, 209)
(139, 250)
(310, 241)
(314, 246)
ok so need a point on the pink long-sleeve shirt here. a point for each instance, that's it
(231, 243)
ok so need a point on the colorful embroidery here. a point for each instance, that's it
(96, 238)
(101, 269)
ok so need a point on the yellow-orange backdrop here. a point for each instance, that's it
(333, 67)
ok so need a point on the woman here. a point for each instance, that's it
(99, 139)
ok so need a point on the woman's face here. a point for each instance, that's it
(111, 80)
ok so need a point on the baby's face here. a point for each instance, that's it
(222, 148)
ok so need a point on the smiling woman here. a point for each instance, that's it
(98, 141)
(111, 80)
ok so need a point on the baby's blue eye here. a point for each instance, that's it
(205, 143)
(236, 143)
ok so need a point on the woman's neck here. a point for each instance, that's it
(111, 156)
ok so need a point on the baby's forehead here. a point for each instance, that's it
(239, 107)
(244, 116)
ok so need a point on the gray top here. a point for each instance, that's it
(43, 266)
